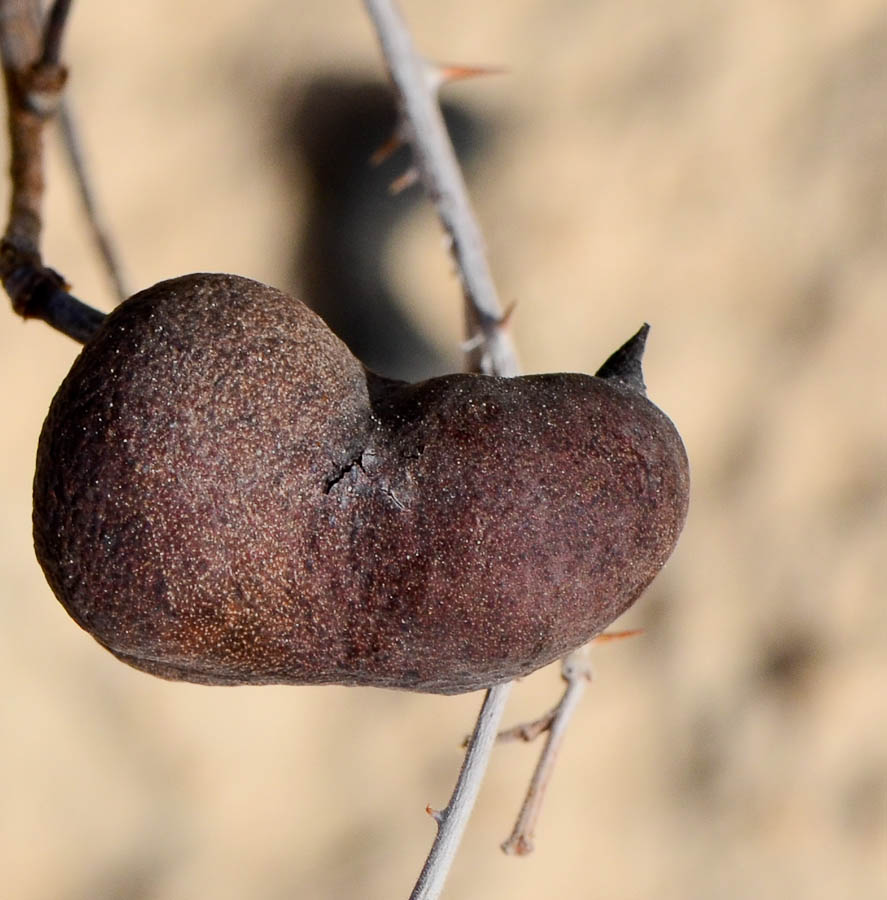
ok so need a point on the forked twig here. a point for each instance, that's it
(527, 731)
(576, 672)
(34, 80)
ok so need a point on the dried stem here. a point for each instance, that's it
(100, 236)
(416, 82)
(452, 820)
(34, 80)
(527, 731)
(576, 672)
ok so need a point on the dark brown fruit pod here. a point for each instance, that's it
(225, 495)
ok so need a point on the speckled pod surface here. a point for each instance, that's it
(225, 495)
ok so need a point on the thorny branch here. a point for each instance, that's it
(421, 124)
(490, 350)
(416, 82)
(34, 79)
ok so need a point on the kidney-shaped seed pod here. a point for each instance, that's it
(225, 495)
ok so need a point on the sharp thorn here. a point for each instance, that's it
(386, 150)
(401, 183)
(439, 74)
(436, 814)
(505, 318)
(616, 635)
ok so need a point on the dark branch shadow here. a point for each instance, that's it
(329, 129)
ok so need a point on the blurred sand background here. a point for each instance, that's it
(716, 169)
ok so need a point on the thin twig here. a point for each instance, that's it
(56, 21)
(34, 80)
(529, 731)
(452, 820)
(416, 83)
(576, 672)
(490, 350)
(100, 235)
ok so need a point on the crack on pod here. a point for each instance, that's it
(355, 462)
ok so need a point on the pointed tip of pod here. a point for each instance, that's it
(625, 364)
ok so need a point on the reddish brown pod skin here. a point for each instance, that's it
(224, 495)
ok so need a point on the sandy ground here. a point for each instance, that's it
(716, 169)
